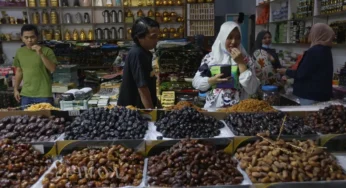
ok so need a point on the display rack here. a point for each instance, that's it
(289, 21)
(97, 20)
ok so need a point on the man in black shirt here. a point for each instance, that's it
(139, 82)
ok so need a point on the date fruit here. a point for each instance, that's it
(268, 161)
(188, 122)
(191, 163)
(31, 128)
(20, 164)
(249, 124)
(107, 124)
(114, 166)
(330, 120)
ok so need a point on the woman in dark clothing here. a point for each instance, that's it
(266, 60)
(313, 78)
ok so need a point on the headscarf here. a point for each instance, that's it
(321, 34)
(219, 53)
(272, 52)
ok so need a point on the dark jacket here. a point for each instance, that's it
(314, 76)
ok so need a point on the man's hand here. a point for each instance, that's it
(38, 49)
(17, 95)
(217, 79)
(281, 71)
(237, 56)
(271, 58)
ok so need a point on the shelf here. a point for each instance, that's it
(88, 7)
(13, 7)
(41, 8)
(331, 15)
(11, 25)
(263, 24)
(200, 19)
(113, 7)
(11, 41)
(108, 23)
(280, 21)
(302, 19)
(169, 6)
(263, 5)
(138, 7)
(76, 24)
(167, 23)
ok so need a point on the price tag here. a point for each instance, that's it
(74, 113)
(39, 148)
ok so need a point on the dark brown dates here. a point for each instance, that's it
(249, 124)
(114, 166)
(107, 124)
(15, 169)
(330, 120)
(29, 129)
(191, 163)
(188, 122)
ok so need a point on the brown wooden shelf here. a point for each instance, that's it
(11, 41)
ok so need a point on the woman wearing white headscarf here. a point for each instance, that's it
(227, 50)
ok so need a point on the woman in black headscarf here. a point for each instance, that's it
(267, 60)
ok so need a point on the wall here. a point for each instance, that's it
(222, 7)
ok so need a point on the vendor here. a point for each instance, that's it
(227, 50)
(34, 66)
(314, 75)
(139, 82)
(266, 60)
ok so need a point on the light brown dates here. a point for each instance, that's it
(268, 161)
(114, 166)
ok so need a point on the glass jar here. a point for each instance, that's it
(271, 94)
(200, 99)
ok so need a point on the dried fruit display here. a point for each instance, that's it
(188, 122)
(20, 164)
(114, 166)
(249, 124)
(182, 104)
(41, 106)
(193, 163)
(31, 128)
(249, 105)
(107, 124)
(331, 119)
(268, 161)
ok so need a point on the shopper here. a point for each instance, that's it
(34, 65)
(314, 75)
(139, 82)
(227, 50)
(266, 60)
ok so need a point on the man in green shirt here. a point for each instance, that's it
(34, 66)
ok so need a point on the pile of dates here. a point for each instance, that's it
(114, 166)
(188, 122)
(20, 164)
(330, 120)
(107, 124)
(269, 161)
(31, 128)
(249, 124)
(191, 163)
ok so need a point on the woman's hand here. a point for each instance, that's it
(237, 56)
(281, 71)
(271, 58)
(217, 79)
